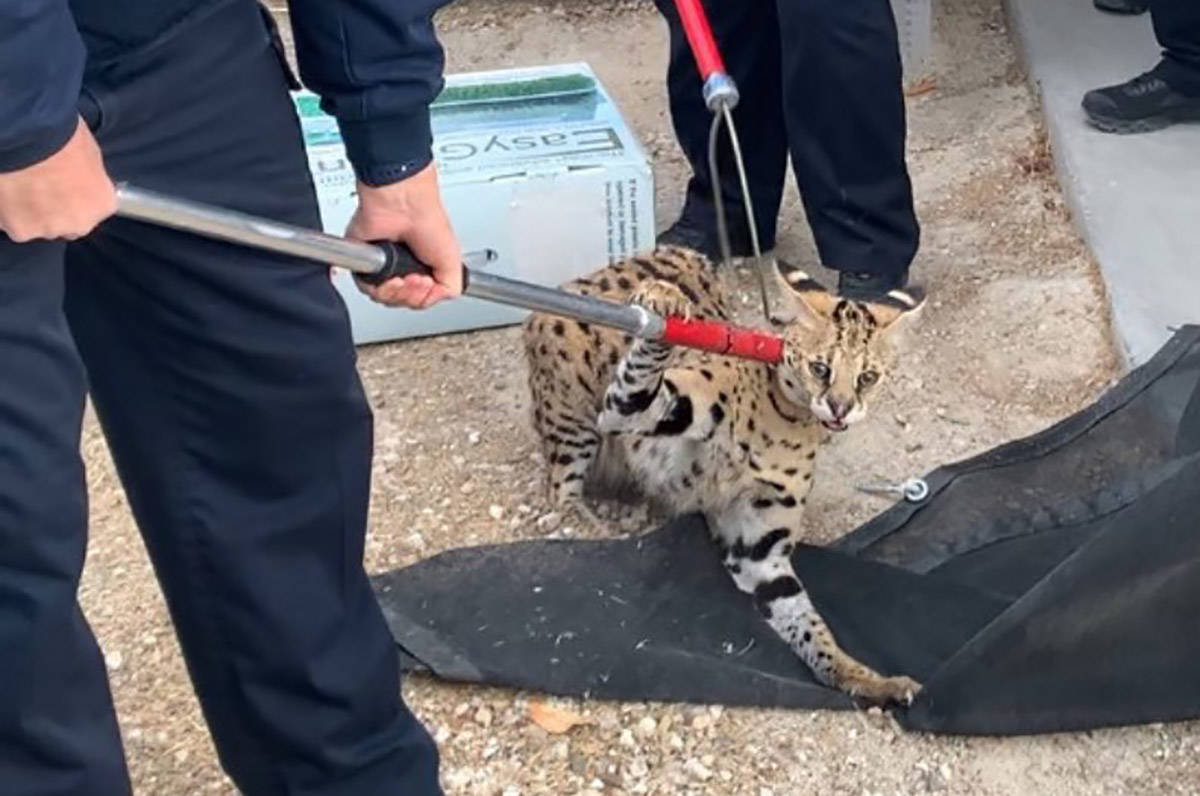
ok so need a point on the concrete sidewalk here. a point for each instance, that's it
(1136, 198)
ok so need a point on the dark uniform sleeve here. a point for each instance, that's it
(41, 69)
(377, 65)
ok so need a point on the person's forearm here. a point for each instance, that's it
(377, 65)
(41, 69)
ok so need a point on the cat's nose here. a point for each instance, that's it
(839, 408)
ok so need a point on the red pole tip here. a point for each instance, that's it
(723, 339)
(751, 344)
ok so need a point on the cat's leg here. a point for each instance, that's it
(570, 456)
(639, 398)
(756, 540)
(570, 444)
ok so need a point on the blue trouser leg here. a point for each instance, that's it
(58, 735)
(819, 81)
(226, 386)
(844, 103)
(747, 34)
(1177, 27)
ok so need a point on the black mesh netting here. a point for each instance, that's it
(1049, 584)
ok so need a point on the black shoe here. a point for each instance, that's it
(1122, 6)
(702, 236)
(1140, 105)
(864, 286)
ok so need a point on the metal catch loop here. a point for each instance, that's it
(914, 490)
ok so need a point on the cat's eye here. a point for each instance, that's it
(820, 370)
(867, 378)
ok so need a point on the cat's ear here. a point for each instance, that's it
(802, 299)
(898, 308)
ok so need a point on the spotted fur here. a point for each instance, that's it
(733, 439)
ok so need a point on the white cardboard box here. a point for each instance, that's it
(914, 26)
(550, 177)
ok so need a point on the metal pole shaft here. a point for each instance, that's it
(629, 318)
(231, 225)
(364, 258)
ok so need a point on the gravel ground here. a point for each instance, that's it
(1015, 338)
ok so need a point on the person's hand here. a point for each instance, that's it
(64, 196)
(410, 211)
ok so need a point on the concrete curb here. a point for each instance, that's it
(1135, 199)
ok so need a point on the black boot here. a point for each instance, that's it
(1140, 105)
(696, 229)
(1122, 6)
(862, 286)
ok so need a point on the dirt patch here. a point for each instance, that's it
(1015, 337)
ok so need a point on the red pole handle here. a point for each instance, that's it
(723, 339)
(700, 37)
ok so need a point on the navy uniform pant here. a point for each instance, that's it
(226, 386)
(819, 81)
(1177, 28)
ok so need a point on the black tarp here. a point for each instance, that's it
(1050, 584)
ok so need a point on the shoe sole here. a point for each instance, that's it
(1121, 12)
(1150, 124)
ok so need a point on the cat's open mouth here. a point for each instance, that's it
(834, 425)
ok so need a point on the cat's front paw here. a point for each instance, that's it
(882, 690)
(663, 298)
